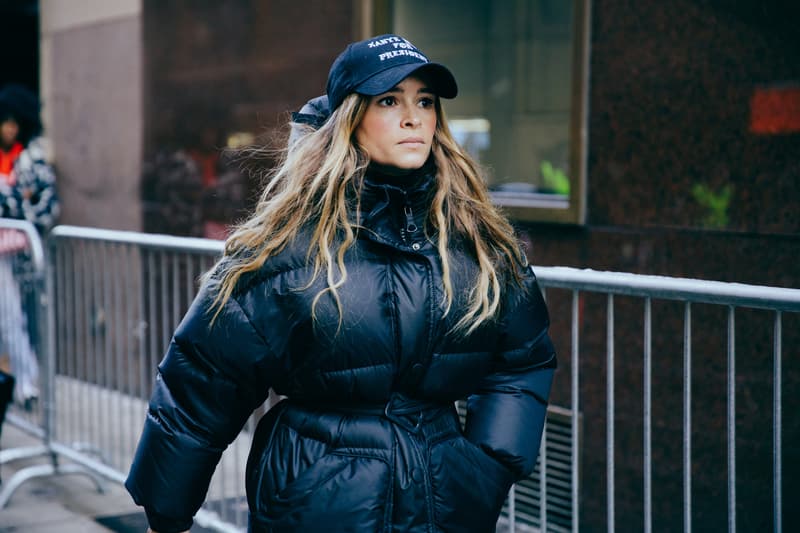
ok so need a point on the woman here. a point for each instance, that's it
(374, 286)
(27, 180)
(27, 192)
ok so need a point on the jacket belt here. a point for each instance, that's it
(409, 413)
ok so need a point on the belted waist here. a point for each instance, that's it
(409, 413)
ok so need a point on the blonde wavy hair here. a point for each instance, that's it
(319, 176)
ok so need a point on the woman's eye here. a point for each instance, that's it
(426, 102)
(387, 100)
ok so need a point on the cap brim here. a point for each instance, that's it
(442, 81)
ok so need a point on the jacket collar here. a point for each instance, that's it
(395, 206)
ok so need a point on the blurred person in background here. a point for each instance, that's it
(27, 192)
(374, 286)
(192, 189)
(223, 189)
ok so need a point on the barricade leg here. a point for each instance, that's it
(28, 473)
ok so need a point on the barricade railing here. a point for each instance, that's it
(718, 304)
(114, 299)
(23, 355)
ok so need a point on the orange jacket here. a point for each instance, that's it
(7, 160)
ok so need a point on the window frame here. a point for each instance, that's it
(375, 17)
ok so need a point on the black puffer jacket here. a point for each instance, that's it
(368, 440)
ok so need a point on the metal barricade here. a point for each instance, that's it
(23, 353)
(678, 366)
(114, 299)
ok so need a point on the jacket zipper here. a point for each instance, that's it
(407, 232)
(411, 226)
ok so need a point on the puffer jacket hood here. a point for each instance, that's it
(368, 435)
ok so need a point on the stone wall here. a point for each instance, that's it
(91, 89)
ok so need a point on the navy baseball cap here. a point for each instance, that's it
(377, 64)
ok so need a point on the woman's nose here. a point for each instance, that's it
(411, 121)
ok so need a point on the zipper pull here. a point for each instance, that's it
(411, 226)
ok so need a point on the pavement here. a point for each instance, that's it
(102, 425)
(63, 503)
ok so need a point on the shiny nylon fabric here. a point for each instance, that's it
(319, 459)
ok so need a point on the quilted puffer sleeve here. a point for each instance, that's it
(505, 417)
(208, 384)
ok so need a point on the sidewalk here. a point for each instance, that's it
(68, 503)
(107, 422)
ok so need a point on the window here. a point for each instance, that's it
(521, 69)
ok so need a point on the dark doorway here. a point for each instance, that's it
(19, 41)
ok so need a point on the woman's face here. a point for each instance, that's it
(9, 130)
(397, 128)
